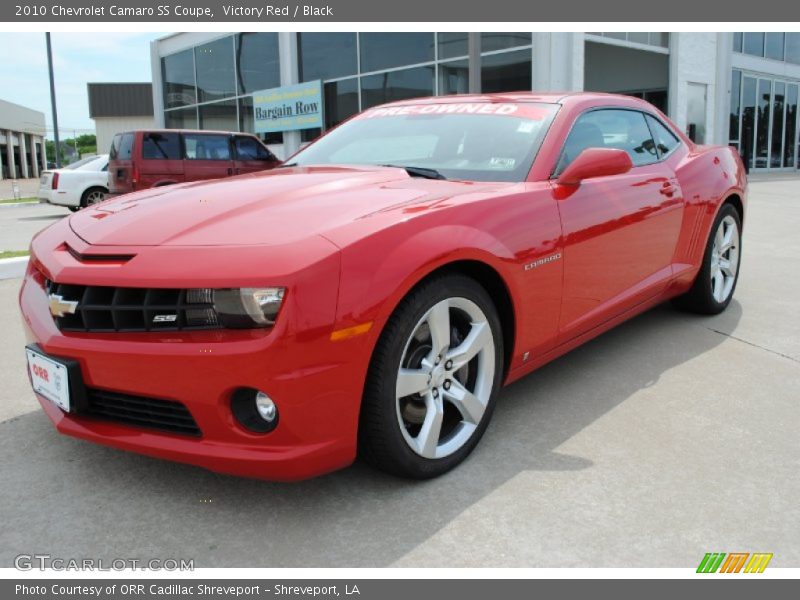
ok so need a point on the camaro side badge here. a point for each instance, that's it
(543, 261)
(60, 307)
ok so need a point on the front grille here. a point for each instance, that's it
(111, 309)
(152, 413)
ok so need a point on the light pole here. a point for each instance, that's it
(53, 100)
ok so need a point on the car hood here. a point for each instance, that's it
(273, 207)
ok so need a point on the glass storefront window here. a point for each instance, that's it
(736, 93)
(762, 123)
(737, 42)
(452, 45)
(754, 43)
(177, 73)
(215, 74)
(454, 77)
(748, 119)
(774, 46)
(778, 99)
(791, 126)
(396, 85)
(793, 48)
(182, 118)
(501, 41)
(388, 50)
(219, 115)
(257, 62)
(341, 101)
(326, 55)
(247, 122)
(506, 72)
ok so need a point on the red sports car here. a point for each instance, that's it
(372, 296)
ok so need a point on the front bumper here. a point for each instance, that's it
(316, 383)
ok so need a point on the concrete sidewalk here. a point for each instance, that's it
(671, 436)
(29, 188)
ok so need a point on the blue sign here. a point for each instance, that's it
(288, 108)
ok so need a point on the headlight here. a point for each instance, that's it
(241, 308)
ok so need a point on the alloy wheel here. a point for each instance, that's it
(445, 378)
(724, 259)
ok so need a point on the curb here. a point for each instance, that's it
(13, 268)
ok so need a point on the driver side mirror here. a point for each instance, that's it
(596, 162)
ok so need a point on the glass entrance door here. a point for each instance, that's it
(767, 127)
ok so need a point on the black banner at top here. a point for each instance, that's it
(337, 11)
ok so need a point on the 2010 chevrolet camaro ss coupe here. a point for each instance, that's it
(370, 297)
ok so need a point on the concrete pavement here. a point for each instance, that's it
(18, 224)
(669, 437)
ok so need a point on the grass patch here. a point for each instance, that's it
(12, 253)
(15, 201)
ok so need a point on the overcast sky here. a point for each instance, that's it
(78, 58)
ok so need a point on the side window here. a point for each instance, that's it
(200, 146)
(114, 150)
(161, 146)
(248, 148)
(666, 141)
(610, 128)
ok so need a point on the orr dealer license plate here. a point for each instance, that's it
(50, 378)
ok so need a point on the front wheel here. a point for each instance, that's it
(433, 379)
(716, 281)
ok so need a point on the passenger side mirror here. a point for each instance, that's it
(596, 162)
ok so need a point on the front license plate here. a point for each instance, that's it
(50, 378)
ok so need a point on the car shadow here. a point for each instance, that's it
(70, 498)
(44, 217)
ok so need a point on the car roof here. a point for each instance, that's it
(544, 97)
(203, 131)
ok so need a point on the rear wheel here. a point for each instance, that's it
(93, 196)
(433, 379)
(713, 289)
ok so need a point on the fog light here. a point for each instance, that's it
(266, 407)
(254, 410)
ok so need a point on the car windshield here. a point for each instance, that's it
(468, 141)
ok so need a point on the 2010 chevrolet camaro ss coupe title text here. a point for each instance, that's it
(370, 297)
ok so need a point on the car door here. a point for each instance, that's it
(206, 156)
(620, 232)
(251, 155)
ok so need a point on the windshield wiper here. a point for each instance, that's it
(294, 164)
(419, 171)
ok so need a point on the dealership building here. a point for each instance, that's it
(22, 147)
(737, 88)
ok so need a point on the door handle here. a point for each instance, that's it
(230, 171)
(668, 189)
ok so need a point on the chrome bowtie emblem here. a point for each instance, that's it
(60, 307)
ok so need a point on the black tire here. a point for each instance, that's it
(88, 194)
(74, 208)
(381, 442)
(700, 298)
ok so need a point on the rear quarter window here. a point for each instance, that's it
(665, 140)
